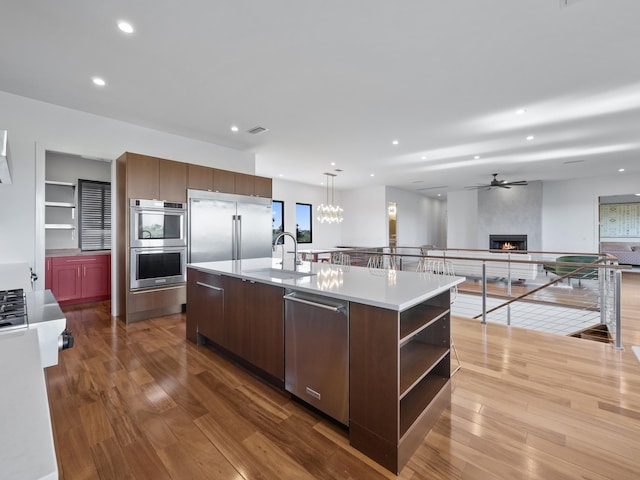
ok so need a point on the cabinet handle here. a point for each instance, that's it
(206, 285)
(338, 309)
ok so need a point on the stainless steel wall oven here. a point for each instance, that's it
(158, 241)
(155, 223)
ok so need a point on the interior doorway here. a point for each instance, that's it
(392, 213)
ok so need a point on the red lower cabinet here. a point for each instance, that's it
(79, 279)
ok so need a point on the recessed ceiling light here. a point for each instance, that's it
(637, 194)
(476, 157)
(373, 175)
(333, 163)
(281, 175)
(395, 142)
(234, 128)
(423, 158)
(99, 81)
(521, 111)
(125, 26)
(530, 137)
(621, 169)
(439, 194)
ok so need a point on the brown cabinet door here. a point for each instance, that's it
(199, 177)
(208, 306)
(262, 187)
(143, 174)
(238, 328)
(267, 328)
(224, 181)
(172, 183)
(244, 184)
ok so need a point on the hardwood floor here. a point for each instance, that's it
(139, 401)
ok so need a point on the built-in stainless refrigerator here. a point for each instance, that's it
(224, 226)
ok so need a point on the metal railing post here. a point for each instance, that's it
(484, 291)
(604, 279)
(618, 303)
(509, 274)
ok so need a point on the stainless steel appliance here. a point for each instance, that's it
(317, 352)
(158, 241)
(156, 223)
(157, 267)
(228, 227)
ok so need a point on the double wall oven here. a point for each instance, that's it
(158, 243)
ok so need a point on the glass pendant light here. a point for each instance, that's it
(329, 213)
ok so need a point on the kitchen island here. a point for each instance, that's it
(397, 329)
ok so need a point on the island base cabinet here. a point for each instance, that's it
(399, 377)
(205, 307)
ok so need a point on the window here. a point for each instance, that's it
(303, 222)
(94, 200)
(277, 220)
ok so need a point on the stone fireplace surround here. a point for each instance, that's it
(507, 242)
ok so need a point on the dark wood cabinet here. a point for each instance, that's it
(399, 388)
(199, 177)
(244, 184)
(79, 279)
(263, 187)
(143, 176)
(244, 317)
(172, 181)
(205, 307)
(224, 181)
(155, 178)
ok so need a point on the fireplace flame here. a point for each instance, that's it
(508, 246)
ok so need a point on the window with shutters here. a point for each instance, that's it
(94, 199)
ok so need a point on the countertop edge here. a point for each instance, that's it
(399, 307)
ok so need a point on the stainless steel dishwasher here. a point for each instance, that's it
(317, 352)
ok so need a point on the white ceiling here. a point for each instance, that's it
(338, 80)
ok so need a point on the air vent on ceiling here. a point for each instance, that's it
(337, 170)
(567, 3)
(256, 130)
(573, 161)
(433, 188)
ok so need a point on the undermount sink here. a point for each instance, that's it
(279, 273)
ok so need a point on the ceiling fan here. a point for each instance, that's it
(499, 183)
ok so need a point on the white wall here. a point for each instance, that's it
(365, 217)
(570, 210)
(569, 213)
(462, 219)
(323, 235)
(35, 127)
(420, 219)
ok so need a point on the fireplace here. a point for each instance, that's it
(508, 243)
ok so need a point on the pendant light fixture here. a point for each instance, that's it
(329, 213)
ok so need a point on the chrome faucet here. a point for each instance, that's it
(296, 262)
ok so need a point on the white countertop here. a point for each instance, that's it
(27, 450)
(391, 289)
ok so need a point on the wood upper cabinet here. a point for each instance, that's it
(262, 187)
(244, 184)
(143, 176)
(155, 178)
(224, 181)
(172, 184)
(199, 177)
